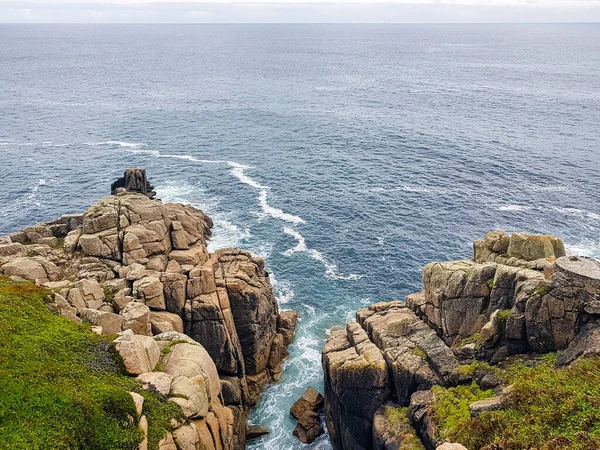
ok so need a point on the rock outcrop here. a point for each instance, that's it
(519, 294)
(133, 266)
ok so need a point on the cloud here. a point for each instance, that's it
(295, 11)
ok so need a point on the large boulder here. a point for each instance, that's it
(140, 353)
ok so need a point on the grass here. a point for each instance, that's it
(63, 387)
(475, 367)
(490, 283)
(473, 339)
(452, 409)
(548, 409)
(503, 315)
(398, 419)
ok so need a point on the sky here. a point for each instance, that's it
(298, 11)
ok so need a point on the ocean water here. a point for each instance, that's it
(348, 156)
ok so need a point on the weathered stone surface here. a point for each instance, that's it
(419, 413)
(136, 317)
(32, 269)
(286, 325)
(586, 343)
(140, 353)
(191, 360)
(356, 385)
(489, 404)
(163, 322)
(150, 291)
(167, 443)
(532, 246)
(451, 446)
(156, 381)
(110, 323)
(191, 395)
(256, 432)
(416, 356)
(392, 432)
(311, 400)
(308, 428)
(186, 437)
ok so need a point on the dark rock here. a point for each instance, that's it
(255, 432)
(311, 400)
(586, 343)
(308, 428)
(134, 180)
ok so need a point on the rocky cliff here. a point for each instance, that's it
(202, 329)
(519, 295)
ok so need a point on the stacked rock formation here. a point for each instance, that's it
(519, 294)
(133, 266)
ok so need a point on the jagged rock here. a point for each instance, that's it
(425, 423)
(356, 385)
(175, 291)
(140, 353)
(308, 428)
(256, 432)
(163, 322)
(286, 325)
(311, 400)
(110, 323)
(489, 404)
(136, 317)
(133, 180)
(14, 249)
(150, 290)
(393, 432)
(156, 381)
(418, 359)
(532, 246)
(138, 401)
(586, 343)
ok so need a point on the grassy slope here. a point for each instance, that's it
(61, 386)
(549, 410)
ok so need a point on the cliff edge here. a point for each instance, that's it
(201, 329)
(496, 353)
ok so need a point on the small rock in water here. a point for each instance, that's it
(309, 427)
(311, 400)
(255, 432)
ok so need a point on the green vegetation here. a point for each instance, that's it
(418, 352)
(542, 290)
(475, 367)
(63, 387)
(490, 283)
(452, 410)
(549, 409)
(109, 295)
(398, 419)
(503, 315)
(473, 339)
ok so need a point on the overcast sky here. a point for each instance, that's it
(293, 11)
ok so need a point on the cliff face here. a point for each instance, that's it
(135, 266)
(519, 295)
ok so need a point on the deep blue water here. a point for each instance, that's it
(348, 155)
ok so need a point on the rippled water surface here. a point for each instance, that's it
(348, 156)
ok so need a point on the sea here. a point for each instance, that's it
(348, 156)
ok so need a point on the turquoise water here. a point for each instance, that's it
(348, 156)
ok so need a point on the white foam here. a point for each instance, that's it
(578, 213)
(513, 208)
(589, 248)
(238, 171)
(331, 269)
(276, 212)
